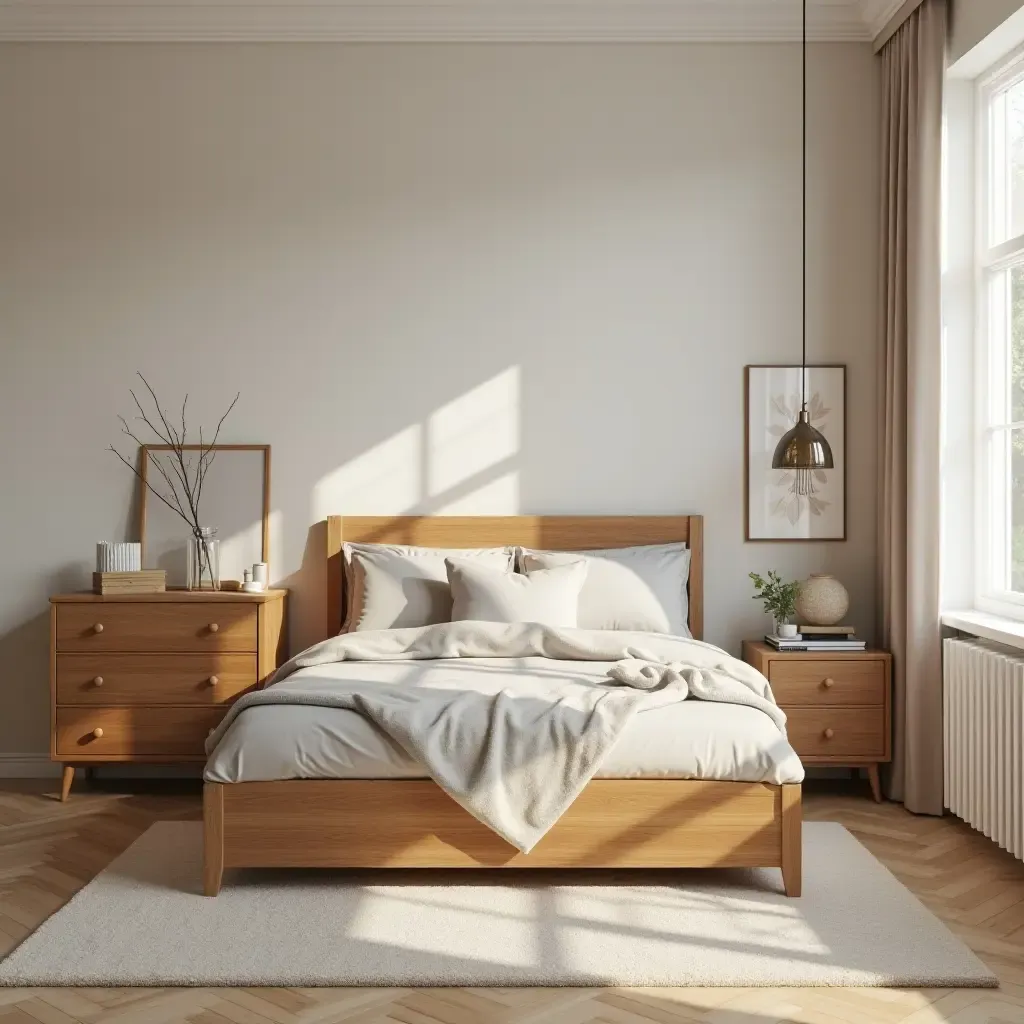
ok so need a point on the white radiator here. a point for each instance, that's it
(983, 725)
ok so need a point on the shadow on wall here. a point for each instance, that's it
(24, 654)
(527, 283)
(462, 459)
(465, 457)
(458, 461)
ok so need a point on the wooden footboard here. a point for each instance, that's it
(412, 823)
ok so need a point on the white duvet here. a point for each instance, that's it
(514, 748)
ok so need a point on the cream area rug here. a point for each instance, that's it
(142, 921)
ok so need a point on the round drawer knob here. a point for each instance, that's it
(97, 734)
(213, 681)
(213, 627)
(98, 627)
(828, 683)
(829, 733)
(97, 681)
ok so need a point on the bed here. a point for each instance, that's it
(374, 808)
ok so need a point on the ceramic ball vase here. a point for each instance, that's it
(822, 601)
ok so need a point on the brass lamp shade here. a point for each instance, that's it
(803, 447)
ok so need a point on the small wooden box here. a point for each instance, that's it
(145, 581)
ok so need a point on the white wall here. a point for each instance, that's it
(973, 20)
(359, 237)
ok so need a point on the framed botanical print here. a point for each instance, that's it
(794, 504)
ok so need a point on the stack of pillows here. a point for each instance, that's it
(392, 586)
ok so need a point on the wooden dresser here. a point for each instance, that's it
(144, 678)
(838, 705)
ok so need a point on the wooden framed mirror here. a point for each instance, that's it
(235, 500)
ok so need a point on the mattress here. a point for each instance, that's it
(690, 740)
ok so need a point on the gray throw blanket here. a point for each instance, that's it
(518, 758)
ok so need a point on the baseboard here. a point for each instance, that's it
(149, 771)
(27, 766)
(39, 766)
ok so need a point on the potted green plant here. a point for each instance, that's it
(779, 600)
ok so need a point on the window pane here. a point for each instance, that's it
(997, 405)
(1006, 156)
(1015, 174)
(1004, 510)
(1003, 402)
(1016, 353)
(1016, 489)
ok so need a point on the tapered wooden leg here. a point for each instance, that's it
(876, 785)
(792, 840)
(67, 776)
(213, 837)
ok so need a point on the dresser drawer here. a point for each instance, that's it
(157, 627)
(855, 733)
(201, 679)
(174, 733)
(827, 682)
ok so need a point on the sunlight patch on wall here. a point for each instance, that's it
(240, 549)
(385, 480)
(276, 532)
(459, 463)
(499, 497)
(473, 433)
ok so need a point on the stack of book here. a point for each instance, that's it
(144, 581)
(818, 638)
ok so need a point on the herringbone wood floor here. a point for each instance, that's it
(48, 850)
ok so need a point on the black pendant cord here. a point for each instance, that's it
(803, 215)
(803, 448)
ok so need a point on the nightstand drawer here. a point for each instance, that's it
(795, 681)
(174, 733)
(201, 679)
(157, 627)
(856, 733)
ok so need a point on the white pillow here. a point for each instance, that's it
(639, 588)
(393, 585)
(548, 596)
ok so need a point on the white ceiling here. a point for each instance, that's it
(442, 20)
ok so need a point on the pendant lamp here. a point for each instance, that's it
(803, 449)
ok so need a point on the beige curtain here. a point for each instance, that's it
(913, 67)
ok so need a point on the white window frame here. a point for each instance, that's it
(992, 452)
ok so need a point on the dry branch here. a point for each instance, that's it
(184, 476)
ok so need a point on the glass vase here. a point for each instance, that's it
(204, 560)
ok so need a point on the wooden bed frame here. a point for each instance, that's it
(412, 823)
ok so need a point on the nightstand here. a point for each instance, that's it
(838, 705)
(144, 678)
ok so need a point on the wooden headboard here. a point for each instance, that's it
(552, 533)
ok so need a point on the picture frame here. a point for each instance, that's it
(237, 502)
(782, 505)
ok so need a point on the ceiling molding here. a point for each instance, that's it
(431, 20)
(878, 13)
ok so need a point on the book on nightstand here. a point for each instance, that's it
(816, 642)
